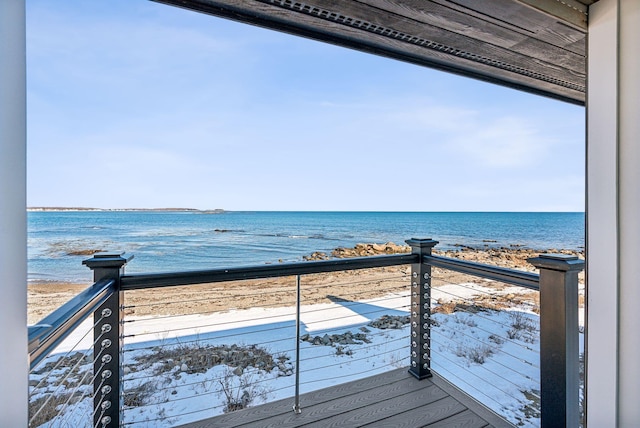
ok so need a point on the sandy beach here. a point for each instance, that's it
(45, 297)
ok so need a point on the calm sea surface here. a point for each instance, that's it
(166, 241)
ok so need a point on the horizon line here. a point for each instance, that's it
(220, 210)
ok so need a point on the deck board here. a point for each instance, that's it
(392, 399)
(466, 419)
(395, 413)
(381, 408)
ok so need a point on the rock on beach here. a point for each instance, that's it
(362, 250)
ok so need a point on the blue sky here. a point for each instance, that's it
(137, 104)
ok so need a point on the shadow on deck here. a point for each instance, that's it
(393, 399)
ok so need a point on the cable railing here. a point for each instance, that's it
(485, 340)
(520, 359)
(191, 345)
(174, 364)
(62, 359)
(213, 359)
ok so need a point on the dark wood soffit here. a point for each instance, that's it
(507, 42)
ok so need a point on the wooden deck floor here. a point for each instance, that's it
(394, 399)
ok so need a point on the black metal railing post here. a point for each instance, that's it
(107, 345)
(296, 404)
(421, 309)
(559, 350)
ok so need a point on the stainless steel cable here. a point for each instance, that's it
(61, 358)
(57, 390)
(483, 380)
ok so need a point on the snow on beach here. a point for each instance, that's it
(491, 354)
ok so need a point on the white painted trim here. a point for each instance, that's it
(602, 216)
(13, 226)
(613, 214)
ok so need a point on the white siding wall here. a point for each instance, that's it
(629, 203)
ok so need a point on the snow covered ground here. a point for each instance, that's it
(187, 368)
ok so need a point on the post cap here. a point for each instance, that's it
(421, 243)
(107, 259)
(560, 262)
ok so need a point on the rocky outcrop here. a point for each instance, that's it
(317, 255)
(514, 256)
(509, 257)
(88, 252)
(363, 250)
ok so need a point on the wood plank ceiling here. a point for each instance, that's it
(533, 45)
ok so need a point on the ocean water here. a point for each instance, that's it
(168, 241)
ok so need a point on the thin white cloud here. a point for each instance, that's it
(432, 116)
(504, 142)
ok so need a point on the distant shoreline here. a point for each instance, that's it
(84, 209)
(220, 210)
